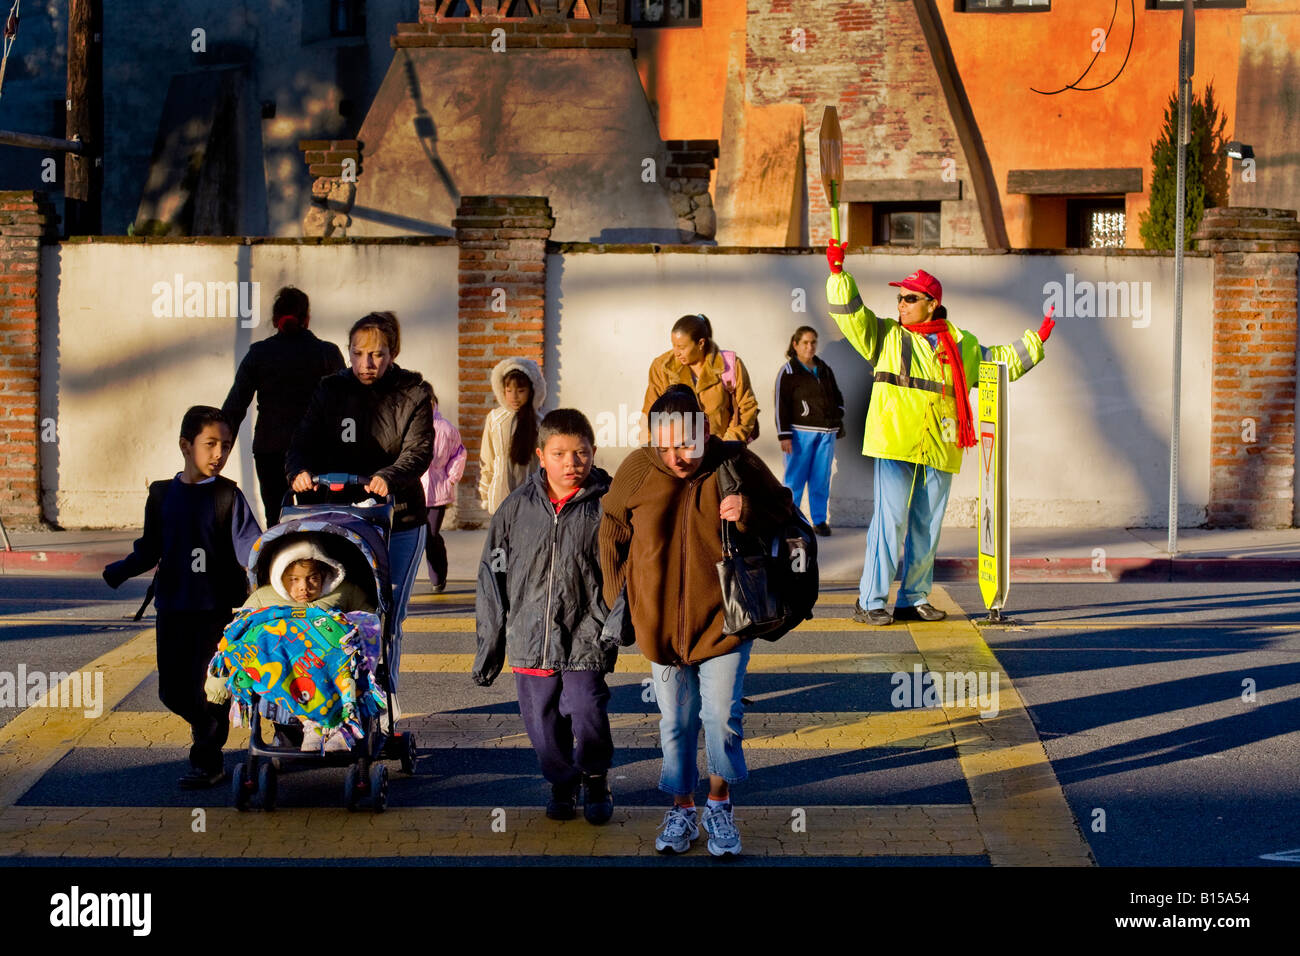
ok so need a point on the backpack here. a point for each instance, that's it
(789, 558)
(729, 381)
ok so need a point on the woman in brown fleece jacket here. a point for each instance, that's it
(661, 536)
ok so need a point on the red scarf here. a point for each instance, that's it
(950, 355)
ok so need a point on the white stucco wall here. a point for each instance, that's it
(1089, 427)
(116, 379)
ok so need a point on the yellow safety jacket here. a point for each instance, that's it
(913, 411)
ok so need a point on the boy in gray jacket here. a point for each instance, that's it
(539, 587)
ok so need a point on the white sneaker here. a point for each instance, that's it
(678, 832)
(311, 740)
(335, 744)
(724, 838)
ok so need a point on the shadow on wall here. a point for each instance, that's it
(47, 396)
(426, 132)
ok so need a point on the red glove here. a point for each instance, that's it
(1045, 329)
(835, 256)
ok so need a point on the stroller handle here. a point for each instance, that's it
(333, 481)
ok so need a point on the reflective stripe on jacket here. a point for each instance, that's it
(913, 411)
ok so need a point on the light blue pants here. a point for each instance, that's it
(910, 501)
(809, 462)
(404, 550)
(707, 693)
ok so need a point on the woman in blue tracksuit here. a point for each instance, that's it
(809, 417)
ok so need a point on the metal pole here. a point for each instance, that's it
(1186, 57)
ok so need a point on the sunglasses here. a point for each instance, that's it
(912, 298)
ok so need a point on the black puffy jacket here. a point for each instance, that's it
(384, 429)
(539, 583)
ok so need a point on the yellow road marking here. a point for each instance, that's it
(1022, 812)
(458, 624)
(39, 737)
(853, 730)
(334, 833)
(632, 663)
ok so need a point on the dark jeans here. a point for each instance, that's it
(435, 549)
(567, 721)
(272, 482)
(186, 642)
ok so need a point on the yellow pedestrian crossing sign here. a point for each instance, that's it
(994, 525)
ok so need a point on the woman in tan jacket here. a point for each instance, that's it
(717, 377)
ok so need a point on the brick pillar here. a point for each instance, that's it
(1252, 445)
(502, 311)
(25, 217)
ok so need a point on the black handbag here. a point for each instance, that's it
(751, 607)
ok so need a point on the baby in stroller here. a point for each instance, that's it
(302, 575)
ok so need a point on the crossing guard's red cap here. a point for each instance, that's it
(921, 281)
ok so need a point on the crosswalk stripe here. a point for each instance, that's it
(1023, 814)
(852, 730)
(458, 624)
(334, 833)
(39, 737)
(632, 663)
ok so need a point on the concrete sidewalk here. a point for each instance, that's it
(1083, 554)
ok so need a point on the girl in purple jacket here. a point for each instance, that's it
(439, 489)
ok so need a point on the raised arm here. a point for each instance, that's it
(863, 330)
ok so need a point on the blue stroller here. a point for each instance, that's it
(356, 536)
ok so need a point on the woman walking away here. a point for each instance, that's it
(809, 417)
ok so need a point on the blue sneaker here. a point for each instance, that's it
(679, 830)
(724, 838)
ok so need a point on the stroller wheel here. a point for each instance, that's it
(267, 786)
(409, 753)
(378, 787)
(352, 787)
(241, 788)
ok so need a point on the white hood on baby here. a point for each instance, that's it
(300, 551)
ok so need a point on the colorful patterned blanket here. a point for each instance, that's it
(314, 663)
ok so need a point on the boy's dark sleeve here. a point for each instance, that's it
(493, 602)
(307, 436)
(147, 549)
(235, 407)
(244, 529)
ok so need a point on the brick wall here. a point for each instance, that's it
(25, 217)
(870, 60)
(502, 310)
(1252, 473)
(560, 24)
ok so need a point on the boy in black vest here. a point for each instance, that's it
(198, 530)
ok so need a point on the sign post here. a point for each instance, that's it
(993, 516)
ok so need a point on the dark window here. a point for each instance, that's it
(664, 13)
(1095, 223)
(1199, 4)
(1002, 6)
(905, 224)
(347, 18)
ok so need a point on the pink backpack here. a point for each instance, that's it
(729, 380)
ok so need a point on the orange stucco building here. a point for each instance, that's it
(1030, 166)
